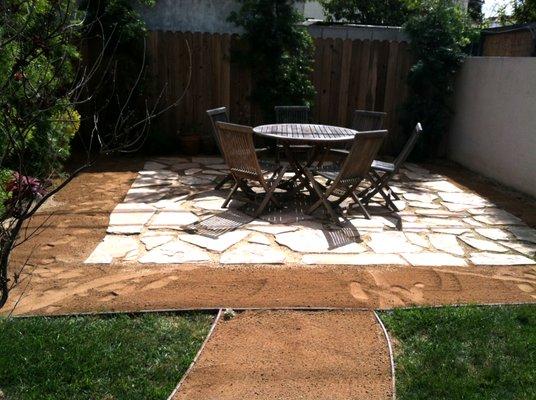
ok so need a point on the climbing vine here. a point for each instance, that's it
(279, 52)
(439, 31)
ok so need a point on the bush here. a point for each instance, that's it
(368, 12)
(37, 121)
(439, 31)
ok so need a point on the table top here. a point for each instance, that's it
(306, 132)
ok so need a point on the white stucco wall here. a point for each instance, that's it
(494, 129)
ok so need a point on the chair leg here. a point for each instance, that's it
(323, 198)
(230, 195)
(270, 192)
(224, 181)
(362, 208)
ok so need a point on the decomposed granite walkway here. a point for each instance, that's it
(292, 355)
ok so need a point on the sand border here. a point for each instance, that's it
(194, 361)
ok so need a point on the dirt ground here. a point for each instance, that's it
(56, 281)
(288, 355)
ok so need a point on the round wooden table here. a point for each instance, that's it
(306, 133)
(321, 137)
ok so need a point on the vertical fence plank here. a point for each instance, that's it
(347, 74)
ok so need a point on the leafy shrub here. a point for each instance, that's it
(439, 32)
(37, 121)
(279, 52)
(368, 12)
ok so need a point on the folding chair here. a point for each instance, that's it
(354, 169)
(364, 121)
(221, 115)
(382, 172)
(237, 147)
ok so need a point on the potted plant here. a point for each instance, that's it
(190, 139)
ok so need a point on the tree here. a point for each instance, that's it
(367, 12)
(439, 31)
(43, 82)
(474, 8)
(279, 52)
(524, 11)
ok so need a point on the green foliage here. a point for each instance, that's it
(367, 12)
(37, 58)
(279, 52)
(465, 353)
(122, 357)
(439, 32)
(523, 11)
(474, 8)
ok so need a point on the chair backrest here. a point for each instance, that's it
(357, 164)
(238, 150)
(368, 120)
(292, 114)
(218, 115)
(408, 148)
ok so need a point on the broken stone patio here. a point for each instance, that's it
(439, 224)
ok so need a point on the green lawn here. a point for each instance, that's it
(100, 358)
(465, 353)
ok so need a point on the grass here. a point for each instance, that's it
(465, 353)
(105, 358)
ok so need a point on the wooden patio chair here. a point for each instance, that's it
(221, 115)
(382, 172)
(343, 182)
(364, 121)
(238, 150)
(292, 115)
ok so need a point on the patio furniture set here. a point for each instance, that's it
(306, 147)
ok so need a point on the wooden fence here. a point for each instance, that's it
(348, 75)
(519, 43)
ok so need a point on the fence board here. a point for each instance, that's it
(347, 74)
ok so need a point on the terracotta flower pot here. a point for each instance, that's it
(190, 144)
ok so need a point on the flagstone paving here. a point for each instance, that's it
(439, 224)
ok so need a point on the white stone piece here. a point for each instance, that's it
(391, 242)
(483, 245)
(272, 229)
(313, 241)
(259, 238)
(492, 233)
(129, 218)
(432, 259)
(175, 252)
(527, 249)
(464, 198)
(364, 259)
(420, 197)
(253, 254)
(446, 243)
(500, 259)
(500, 217)
(418, 240)
(451, 231)
(152, 240)
(442, 186)
(183, 166)
(172, 220)
(419, 204)
(113, 246)
(220, 244)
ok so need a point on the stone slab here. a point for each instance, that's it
(500, 259)
(220, 244)
(363, 259)
(433, 259)
(253, 254)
